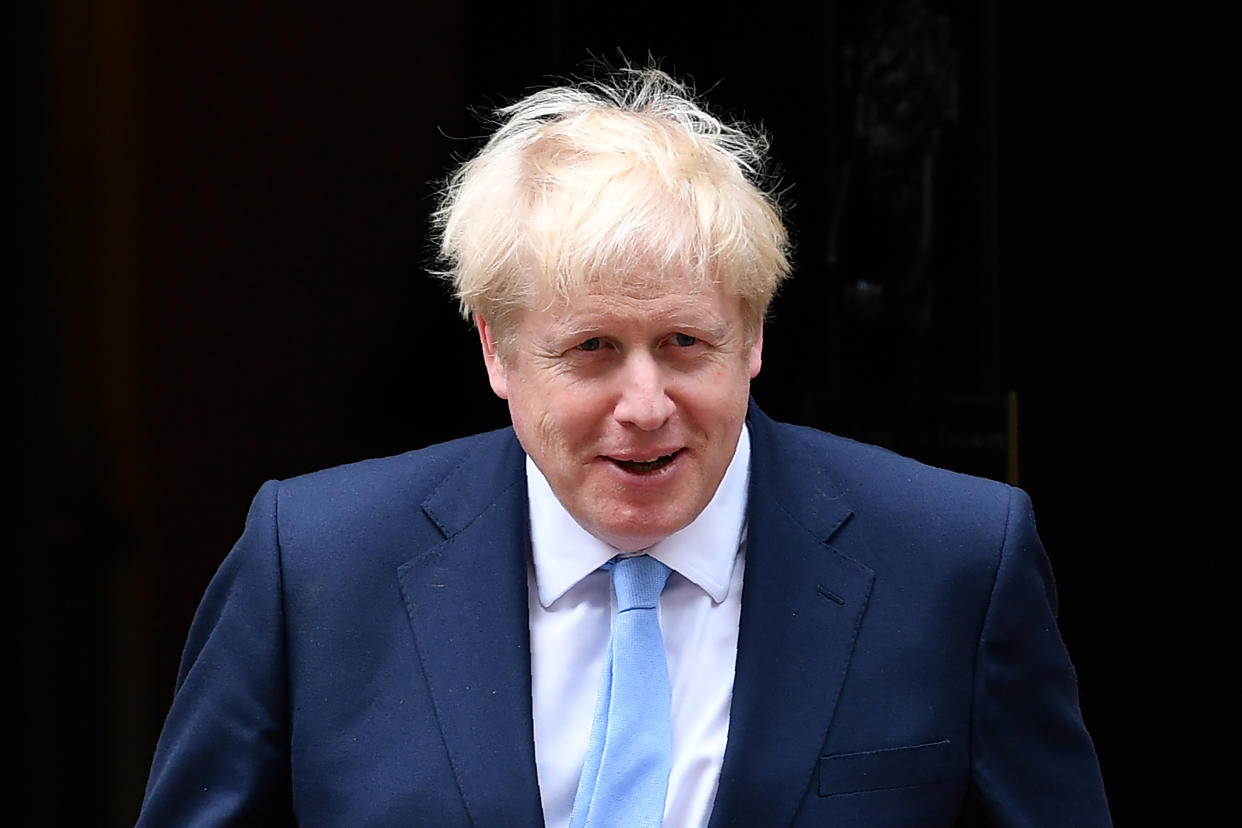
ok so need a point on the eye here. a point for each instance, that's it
(591, 344)
(682, 340)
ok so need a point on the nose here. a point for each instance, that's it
(643, 399)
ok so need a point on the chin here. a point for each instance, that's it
(641, 534)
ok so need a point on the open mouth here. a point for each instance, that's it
(646, 466)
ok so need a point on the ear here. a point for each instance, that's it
(756, 354)
(497, 374)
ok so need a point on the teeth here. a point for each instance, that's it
(645, 465)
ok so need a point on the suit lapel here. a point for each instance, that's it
(802, 603)
(467, 603)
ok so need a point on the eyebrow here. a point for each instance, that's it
(713, 327)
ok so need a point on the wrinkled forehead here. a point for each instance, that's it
(639, 308)
(667, 295)
(649, 287)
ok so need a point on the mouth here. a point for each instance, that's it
(645, 466)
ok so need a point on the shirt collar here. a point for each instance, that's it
(703, 552)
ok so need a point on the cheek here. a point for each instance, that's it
(526, 413)
(726, 384)
(719, 406)
(564, 417)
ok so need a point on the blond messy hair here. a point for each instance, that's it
(601, 185)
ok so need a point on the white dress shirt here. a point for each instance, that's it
(571, 606)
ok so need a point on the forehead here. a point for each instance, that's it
(657, 301)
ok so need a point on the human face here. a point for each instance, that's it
(630, 402)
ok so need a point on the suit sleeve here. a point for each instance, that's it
(223, 756)
(1033, 761)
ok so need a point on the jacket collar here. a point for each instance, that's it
(467, 602)
(802, 604)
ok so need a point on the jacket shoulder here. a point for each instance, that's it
(900, 512)
(410, 475)
(373, 504)
(429, 463)
(862, 470)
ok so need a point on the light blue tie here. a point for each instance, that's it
(625, 779)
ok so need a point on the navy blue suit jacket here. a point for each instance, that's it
(361, 657)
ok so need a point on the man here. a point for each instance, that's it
(844, 637)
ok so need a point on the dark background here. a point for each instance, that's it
(221, 253)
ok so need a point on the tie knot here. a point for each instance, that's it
(638, 581)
